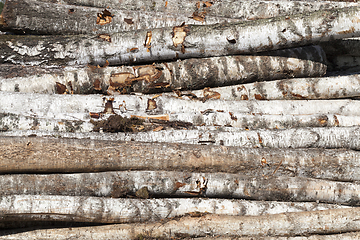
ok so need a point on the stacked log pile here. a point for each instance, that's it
(179, 119)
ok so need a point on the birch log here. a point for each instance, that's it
(78, 107)
(184, 41)
(51, 155)
(333, 137)
(50, 18)
(110, 210)
(181, 184)
(15, 122)
(346, 86)
(286, 224)
(244, 10)
(190, 74)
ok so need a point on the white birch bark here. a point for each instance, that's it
(286, 224)
(78, 107)
(188, 41)
(346, 86)
(51, 18)
(180, 184)
(333, 137)
(181, 75)
(111, 210)
(244, 10)
(61, 155)
(15, 122)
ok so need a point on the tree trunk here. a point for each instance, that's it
(15, 122)
(334, 137)
(78, 107)
(184, 41)
(111, 210)
(244, 10)
(41, 155)
(346, 86)
(286, 224)
(179, 184)
(190, 74)
(38, 17)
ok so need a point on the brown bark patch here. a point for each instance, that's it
(351, 30)
(336, 121)
(117, 123)
(105, 37)
(151, 104)
(104, 18)
(61, 88)
(179, 33)
(96, 84)
(147, 43)
(198, 16)
(128, 20)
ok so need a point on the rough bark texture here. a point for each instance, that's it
(180, 184)
(40, 155)
(15, 122)
(111, 210)
(190, 74)
(183, 41)
(78, 107)
(286, 224)
(212, 185)
(346, 86)
(244, 10)
(50, 18)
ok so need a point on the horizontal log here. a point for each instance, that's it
(339, 236)
(334, 137)
(111, 210)
(184, 41)
(78, 107)
(41, 155)
(286, 224)
(15, 122)
(330, 87)
(179, 184)
(39, 17)
(190, 74)
(244, 10)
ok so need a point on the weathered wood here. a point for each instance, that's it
(286, 224)
(111, 210)
(15, 122)
(339, 236)
(346, 86)
(180, 184)
(244, 10)
(39, 17)
(77, 107)
(190, 74)
(183, 42)
(36, 155)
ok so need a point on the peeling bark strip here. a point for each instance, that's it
(110, 210)
(200, 41)
(190, 74)
(51, 18)
(41, 155)
(181, 184)
(285, 224)
(244, 10)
